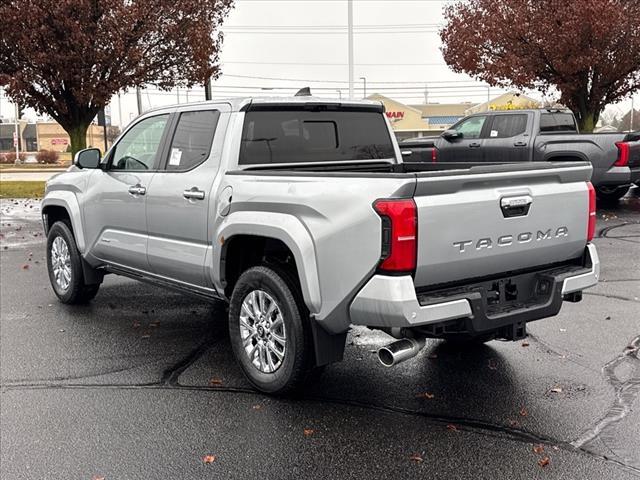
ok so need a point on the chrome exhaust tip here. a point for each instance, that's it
(400, 351)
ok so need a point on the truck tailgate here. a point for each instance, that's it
(499, 218)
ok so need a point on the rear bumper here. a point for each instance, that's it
(388, 302)
(618, 177)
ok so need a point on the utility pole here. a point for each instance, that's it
(426, 94)
(139, 100)
(178, 94)
(186, 93)
(350, 35)
(16, 140)
(488, 97)
(632, 115)
(120, 110)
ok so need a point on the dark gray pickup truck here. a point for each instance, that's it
(530, 136)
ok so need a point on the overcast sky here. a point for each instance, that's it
(283, 45)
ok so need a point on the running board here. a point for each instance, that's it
(159, 281)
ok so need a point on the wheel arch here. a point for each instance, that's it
(59, 205)
(254, 234)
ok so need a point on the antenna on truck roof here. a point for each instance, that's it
(303, 92)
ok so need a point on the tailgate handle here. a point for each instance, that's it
(515, 206)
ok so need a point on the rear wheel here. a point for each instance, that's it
(611, 194)
(64, 265)
(270, 331)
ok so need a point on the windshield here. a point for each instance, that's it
(298, 135)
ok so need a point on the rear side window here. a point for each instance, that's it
(294, 135)
(557, 122)
(505, 126)
(192, 139)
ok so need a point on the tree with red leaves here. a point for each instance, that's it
(587, 50)
(67, 58)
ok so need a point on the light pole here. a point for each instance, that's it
(350, 35)
(632, 114)
(364, 79)
(17, 134)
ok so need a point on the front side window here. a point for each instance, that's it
(138, 148)
(505, 126)
(471, 127)
(192, 139)
(298, 135)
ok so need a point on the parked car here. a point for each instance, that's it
(300, 214)
(535, 135)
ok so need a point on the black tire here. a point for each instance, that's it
(77, 290)
(297, 365)
(611, 194)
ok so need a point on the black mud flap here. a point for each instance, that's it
(329, 348)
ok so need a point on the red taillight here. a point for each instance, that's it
(399, 232)
(623, 154)
(591, 226)
(434, 155)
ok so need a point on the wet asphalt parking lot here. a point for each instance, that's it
(141, 384)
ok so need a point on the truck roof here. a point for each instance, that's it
(238, 103)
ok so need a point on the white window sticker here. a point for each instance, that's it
(494, 133)
(176, 155)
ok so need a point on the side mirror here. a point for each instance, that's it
(451, 135)
(87, 158)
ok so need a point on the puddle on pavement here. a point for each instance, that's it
(20, 223)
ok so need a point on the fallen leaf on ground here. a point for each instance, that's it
(452, 427)
(523, 412)
(257, 407)
(207, 459)
(214, 382)
(25, 267)
(563, 329)
(97, 477)
(146, 335)
(416, 458)
(308, 432)
(556, 390)
(426, 395)
(543, 462)
(608, 317)
(525, 344)
(538, 448)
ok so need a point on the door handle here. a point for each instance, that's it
(520, 144)
(137, 190)
(474, 145)
(193, 194)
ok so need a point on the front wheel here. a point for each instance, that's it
(611, 194)
(269, 331)
(65, 267)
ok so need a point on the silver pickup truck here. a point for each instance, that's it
(301, 214)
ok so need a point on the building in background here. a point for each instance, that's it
(506, 101)
(49, 136)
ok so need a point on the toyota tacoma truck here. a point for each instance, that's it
(300, 213)
(535, 135)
